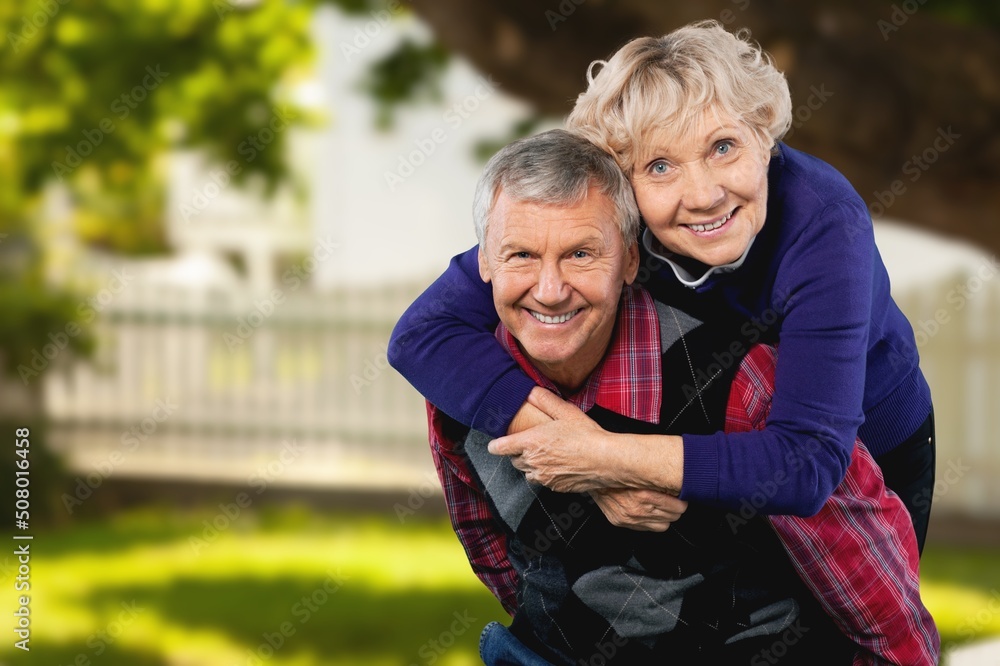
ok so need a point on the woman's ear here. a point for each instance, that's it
(631, 263)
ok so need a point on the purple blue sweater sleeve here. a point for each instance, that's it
(444, 345)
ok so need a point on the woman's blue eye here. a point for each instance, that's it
(724, 148)
(660, 167)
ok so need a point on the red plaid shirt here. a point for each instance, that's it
(858, 555)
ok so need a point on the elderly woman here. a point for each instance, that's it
(737, 224)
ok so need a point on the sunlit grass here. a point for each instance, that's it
(291, 587)
(961, 588)
(287, 588)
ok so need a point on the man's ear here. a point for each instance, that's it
(631, 263)
(484, 268)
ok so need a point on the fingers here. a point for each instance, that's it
(506, 446)
(552, 405)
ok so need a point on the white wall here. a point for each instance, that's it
(411, 229)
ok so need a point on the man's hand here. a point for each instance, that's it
(564, 454)
(641, 510)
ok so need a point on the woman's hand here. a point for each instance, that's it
(641, 510)
(570, 453)
(565, 454)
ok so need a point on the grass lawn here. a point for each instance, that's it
(291, 587)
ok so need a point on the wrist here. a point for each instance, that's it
(652, 462)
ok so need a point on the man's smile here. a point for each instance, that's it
(554, 319)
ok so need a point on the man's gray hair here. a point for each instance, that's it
(558, 168)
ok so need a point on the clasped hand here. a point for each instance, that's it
(568, 452)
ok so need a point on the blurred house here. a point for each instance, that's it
(257, 354)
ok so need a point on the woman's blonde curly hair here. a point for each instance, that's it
(653, 83)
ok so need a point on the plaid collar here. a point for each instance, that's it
(628, 380)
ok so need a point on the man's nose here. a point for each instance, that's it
(552, 288)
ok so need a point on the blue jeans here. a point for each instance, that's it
(499, 647)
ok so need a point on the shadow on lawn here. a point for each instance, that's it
(352, 624)
(53, 655)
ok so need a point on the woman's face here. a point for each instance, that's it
(704, 195)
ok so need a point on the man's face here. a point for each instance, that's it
(557, 274)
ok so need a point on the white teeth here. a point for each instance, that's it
(545, 319)
(714, 225)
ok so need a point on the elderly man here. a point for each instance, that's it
(557, 226)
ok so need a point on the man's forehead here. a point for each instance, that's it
(594, 214)
(571, 224)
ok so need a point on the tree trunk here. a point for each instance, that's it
(905, 105)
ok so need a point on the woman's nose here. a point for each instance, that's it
(702, 188)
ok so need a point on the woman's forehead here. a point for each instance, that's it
(689, 130)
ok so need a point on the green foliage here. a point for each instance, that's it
(408, 75)
(969, 12)
(93, 94)
(486, 148)
(31, 313)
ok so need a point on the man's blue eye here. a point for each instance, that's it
(580, 254)
(522, 255)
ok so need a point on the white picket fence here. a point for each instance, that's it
(251, 377)
(957, 326)
(227, 386)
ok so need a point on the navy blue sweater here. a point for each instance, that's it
(813, 282)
